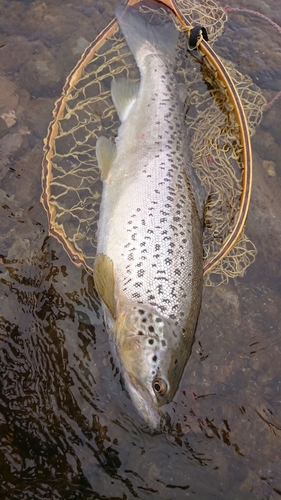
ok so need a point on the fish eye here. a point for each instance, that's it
(159, 386)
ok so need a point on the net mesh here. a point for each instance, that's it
(85, 111)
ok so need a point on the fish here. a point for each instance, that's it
(149, 262)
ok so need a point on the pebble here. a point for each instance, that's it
(9, 100)
(9, 118)
(80, 46)
(269, 166)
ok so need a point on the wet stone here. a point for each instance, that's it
(80, 45)
(15, 53)
(11, 143)
(9, 100)
(26, 166)
(266, 146)
(41, 70)
(3, 128)
(38, 115)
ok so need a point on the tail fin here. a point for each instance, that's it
(137, 31)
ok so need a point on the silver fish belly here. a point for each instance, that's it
(148, 269)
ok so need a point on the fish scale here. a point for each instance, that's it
(148, 269)
(156, 245)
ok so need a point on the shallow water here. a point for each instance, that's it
(67, 429)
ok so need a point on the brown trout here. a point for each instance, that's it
(148, 268)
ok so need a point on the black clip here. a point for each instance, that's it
(194, 35)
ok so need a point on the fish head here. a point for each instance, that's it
(153, 353)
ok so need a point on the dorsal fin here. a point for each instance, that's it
(124, 93)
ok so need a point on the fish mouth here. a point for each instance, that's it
(146, 405)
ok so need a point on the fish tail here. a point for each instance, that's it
(140, 33)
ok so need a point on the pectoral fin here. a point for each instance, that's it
(104, 281)
(124, 93)
(106, 152)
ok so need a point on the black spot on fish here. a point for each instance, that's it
(141, 311)
(151, 341)
(151, 328)
(140, 332)
(154, 358)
